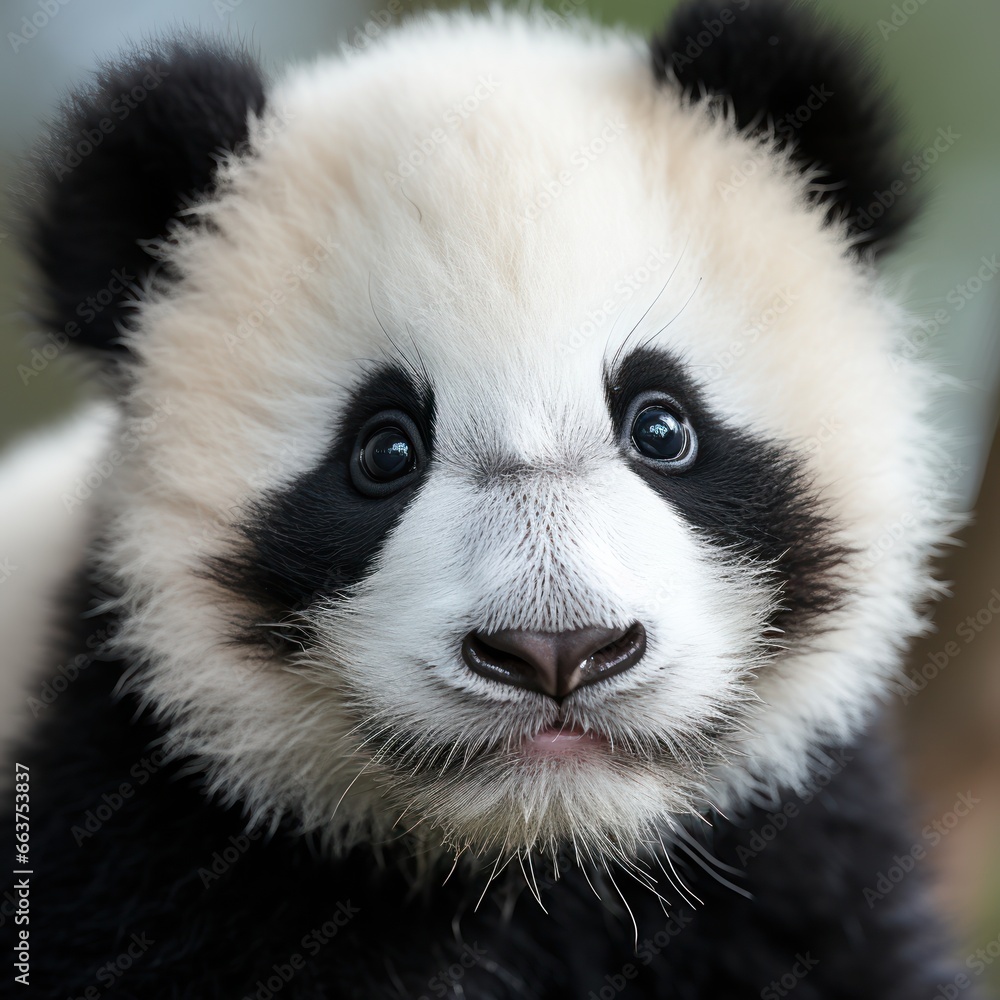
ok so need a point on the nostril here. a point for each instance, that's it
(616, 656)
(491, 661)
(554, 663)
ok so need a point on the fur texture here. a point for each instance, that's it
(135, 857)
(128, 155)
(807, 91)
(413, 230)
(44, 528)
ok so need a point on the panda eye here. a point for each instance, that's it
(387, 454)
(661, 434)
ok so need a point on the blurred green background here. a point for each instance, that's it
(939, 58)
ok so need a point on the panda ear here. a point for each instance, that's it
(781, 69)
(127, 154)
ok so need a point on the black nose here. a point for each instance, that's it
(555, 663)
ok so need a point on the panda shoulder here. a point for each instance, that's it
(44, 529)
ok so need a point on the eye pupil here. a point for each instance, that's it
(387, 454)
(659, 434)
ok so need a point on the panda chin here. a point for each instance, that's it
(553, 800)
(562, 782)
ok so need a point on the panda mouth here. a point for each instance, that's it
(564, 739)
(561, 740)
(557, 746)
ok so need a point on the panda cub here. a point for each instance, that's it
(481, 591)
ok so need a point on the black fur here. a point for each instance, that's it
(141, 144)
(750, 495)
(767, 60)
(319, 536)
(128, 852)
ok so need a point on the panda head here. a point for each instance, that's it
(516, 448)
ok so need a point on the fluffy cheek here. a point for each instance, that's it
(607, 551)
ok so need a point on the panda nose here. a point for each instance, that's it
(554, 663)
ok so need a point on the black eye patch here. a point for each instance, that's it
(319, 536)
(745, 491)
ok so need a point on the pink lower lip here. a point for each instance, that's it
(562, 739)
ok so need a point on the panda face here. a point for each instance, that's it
(529, 458)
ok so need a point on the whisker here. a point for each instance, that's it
(677, 881)
(711, 871)
(621, 896)
(454, 865)
(673, 271)
(364, 767)
(703, 851)
(420, 376)
(489, 881)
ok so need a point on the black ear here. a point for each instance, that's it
(782, 70)
(128, 152)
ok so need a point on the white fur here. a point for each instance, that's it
(44, 531)
(463, 266)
